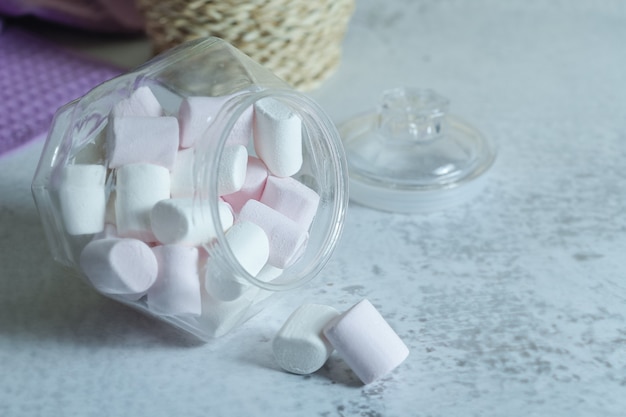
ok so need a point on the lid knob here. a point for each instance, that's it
(412, 115)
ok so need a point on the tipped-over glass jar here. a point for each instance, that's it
(193, 188)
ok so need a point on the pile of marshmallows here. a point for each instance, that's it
(148, 238)
(360, 335)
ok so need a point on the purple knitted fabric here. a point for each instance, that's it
(36, 78)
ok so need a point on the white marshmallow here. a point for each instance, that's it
(232, 169)
(177, 287)
(249, 243)
(299, 346)
(182, 174)
(82, 198)
(134, 139)
(241, 133)
(139, 187)
(142, 102)
(250, 246)
(119, 266)
(277, 137)
(196, 114)
(366, 342)
(253, 185)
(175, 221)
(287, 238)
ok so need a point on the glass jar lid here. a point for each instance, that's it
(411, 155)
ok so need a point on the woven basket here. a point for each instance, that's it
(298, 40)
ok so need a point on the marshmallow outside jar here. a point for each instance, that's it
(213, 69)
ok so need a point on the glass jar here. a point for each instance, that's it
(80, 152)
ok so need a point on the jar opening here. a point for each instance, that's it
(323, 170)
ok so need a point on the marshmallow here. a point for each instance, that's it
(119, 266)
(197, 113)
(176, 221)
(366, 342)
(177, 287)
(250, 246)
(142, 102)
(253, 185)
(241, 133)
(139, 187)
(291, 198)
(287, 238)
(134, 139)
(232, 169)
(182, 174)
(299, 346)
(277, 137)
(82, 198)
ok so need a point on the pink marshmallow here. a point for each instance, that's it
(366, 342)
(291, 198)
(253, 186)
(152, 140)
(197, 113)
(142, 102)
(119, 266)
(287, 239)
(177, 287)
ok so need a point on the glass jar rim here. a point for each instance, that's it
(207, 174)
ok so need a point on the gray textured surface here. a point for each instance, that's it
(511, 305)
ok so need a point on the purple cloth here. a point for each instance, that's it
(36, 78)
(93, 15)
